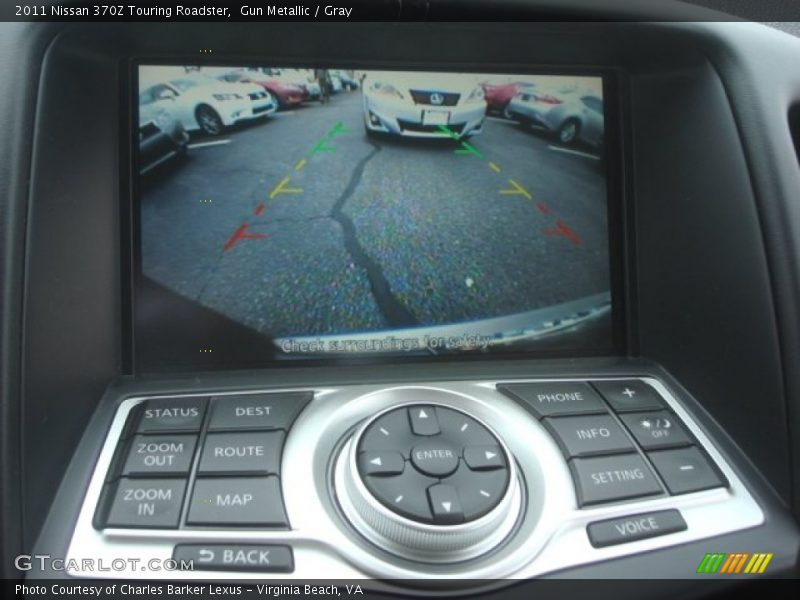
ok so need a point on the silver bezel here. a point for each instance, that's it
(551, 533)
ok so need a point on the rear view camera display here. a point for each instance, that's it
(288, 213)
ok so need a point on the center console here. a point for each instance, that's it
(461, 480)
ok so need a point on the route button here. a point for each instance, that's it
(252, 452)
(554, 398)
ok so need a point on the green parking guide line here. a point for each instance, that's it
(466, 149)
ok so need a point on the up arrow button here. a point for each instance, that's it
(423, 420)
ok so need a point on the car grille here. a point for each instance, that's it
(424, 97)
(148, 130)
(260, 109)
(417, 128)
(257, 95)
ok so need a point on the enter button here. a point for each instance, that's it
(633, 528)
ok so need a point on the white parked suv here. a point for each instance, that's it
(208, 104)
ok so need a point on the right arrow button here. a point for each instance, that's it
(484, 458)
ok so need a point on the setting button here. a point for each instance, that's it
(172, 414)
(445, 504)
(160, 455)
(404, 494)
(381, 463)
(587, 436)
(628, 395)
(264, 558)
(256, 453)
(484, 458)
(549, 399)
(659, 429)
(636, 527)
(423, 420)
(257, 411)
(147, 503)
(434, 457)
(686, 470)
(237, 501)
(610, 478)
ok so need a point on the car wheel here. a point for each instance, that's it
(506, 111)
(568, 132)
(274, 99)
(209, 121)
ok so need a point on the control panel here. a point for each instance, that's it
(461, 480)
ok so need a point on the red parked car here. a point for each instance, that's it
(498, 96)
(286, 95)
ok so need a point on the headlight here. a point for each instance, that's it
(223, 97)
(386, 89)
(476, 95)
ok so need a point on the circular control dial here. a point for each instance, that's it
(428, 482)
(433, 464)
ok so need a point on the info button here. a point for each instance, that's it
(551, 399)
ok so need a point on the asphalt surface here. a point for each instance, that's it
(301, 225)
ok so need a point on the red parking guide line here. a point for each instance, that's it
(241, 234)
(259, 209)
(564, 230)
(543, 208)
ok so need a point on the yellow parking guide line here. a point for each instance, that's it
(494, 167)
(516, 189)
(282, 189)
(300, 164)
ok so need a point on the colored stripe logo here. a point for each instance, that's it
(734, 563)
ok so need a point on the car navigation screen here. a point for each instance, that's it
(285, 214)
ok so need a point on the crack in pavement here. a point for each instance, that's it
(392, 309)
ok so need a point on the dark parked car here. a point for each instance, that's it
(161, 139)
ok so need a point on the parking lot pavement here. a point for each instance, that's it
(303, 225)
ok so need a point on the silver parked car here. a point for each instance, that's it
(570, 116)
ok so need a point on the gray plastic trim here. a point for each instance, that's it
(551, 534)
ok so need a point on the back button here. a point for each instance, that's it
(264, 558)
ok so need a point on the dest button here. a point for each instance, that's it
(265, 558)
(257, 411)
